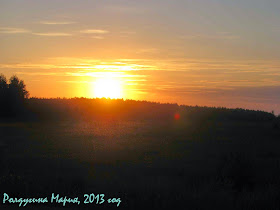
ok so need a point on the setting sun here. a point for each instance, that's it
(108, 88)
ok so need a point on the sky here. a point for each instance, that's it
(194, 52)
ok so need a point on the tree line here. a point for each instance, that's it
(15, 103)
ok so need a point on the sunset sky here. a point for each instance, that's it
(194, 52)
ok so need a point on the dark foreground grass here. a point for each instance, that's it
(158, 164)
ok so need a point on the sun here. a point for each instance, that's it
(108, 88)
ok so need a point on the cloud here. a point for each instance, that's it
(223, 35)
(97, 37)
(103, 74)
(8, 30)
(40, 73)
(26, 66)
(79, 82)
(79, 63)
(56, 22)
(94, 31)
(52, 34)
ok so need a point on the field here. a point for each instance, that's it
(146, 163)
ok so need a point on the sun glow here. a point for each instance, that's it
(108, 88)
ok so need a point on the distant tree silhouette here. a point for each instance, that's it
(3, 82)
(3, 86)
(18, 88)
(12, 96)
(3, 95)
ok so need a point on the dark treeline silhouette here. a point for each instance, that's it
(12, 97)
(90, 109)
(16, 104)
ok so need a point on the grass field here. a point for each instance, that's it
(221, 165)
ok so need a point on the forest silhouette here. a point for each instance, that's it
(15, 103)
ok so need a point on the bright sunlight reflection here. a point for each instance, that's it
(108, 88)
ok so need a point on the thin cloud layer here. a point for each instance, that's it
(8, 30)
(94, 31)
(52, 34)
(97, 32)
(224, 36)
(97, 37)
(57, 22)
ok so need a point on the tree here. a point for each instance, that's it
(3, 95)
(3, 89)
(12, 96)
(18, 88)
(3, 82)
